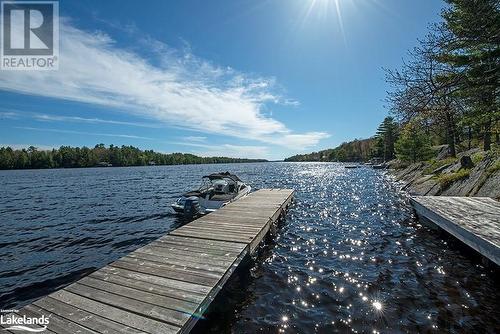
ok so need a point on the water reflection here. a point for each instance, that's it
(377, 305)
(352, 258)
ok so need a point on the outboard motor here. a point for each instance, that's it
(191, 206)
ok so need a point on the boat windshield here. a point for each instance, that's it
(219, 185)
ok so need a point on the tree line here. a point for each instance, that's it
(446, 92)
(100, 155)
(356, 150)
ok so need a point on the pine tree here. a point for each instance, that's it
(471, 44)
(413, 144)
(386, 135)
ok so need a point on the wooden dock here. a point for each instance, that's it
(167, 285)
(473, 220)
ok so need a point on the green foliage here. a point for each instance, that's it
(477, 157)
(473, 51)
(70, 157)
(386, 136)
(413, 144)
(357, 150)
(494, 168)
(445, 180)
(434, 164)
(450, 83)
(381, 146)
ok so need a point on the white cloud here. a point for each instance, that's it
(235, 151)
(194, 138)
(83, 133)
(17, 114)
(76, 119)
(228, 150)
(182, 91)
(8, 115)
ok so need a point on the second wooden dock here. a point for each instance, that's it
(167, 285)
(473, 220)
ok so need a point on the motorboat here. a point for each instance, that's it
(216, 191)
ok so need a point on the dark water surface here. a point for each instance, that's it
(349, 257)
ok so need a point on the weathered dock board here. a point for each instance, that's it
(167, 285)
(473, 220)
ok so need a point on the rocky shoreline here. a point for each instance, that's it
(472, 173)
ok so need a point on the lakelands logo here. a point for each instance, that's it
(15, 322)
(29, 35)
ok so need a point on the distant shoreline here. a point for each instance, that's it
(101, 157)
(97, 167)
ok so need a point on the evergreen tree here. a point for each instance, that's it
(413, 144)
(471, 44)
(386, 136)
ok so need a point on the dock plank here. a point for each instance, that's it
(211, 236)
(226, 219)
(160, 290)
(215, 268)
(116, 314)
(206, 260)
(57, 324)
(168, 284)
(165, 271)
(205, 243)
(146, 309)
(83, 318)
(181, 267)
(175, 304)
(181, 286)
(219, 229)
(176, 248)
(227, 216)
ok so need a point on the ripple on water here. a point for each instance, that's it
(349, 257)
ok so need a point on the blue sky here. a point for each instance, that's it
(259, 79)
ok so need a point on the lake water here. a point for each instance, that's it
(349, 257)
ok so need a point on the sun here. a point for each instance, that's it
(324, 9)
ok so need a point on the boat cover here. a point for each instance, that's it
(223, 175)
